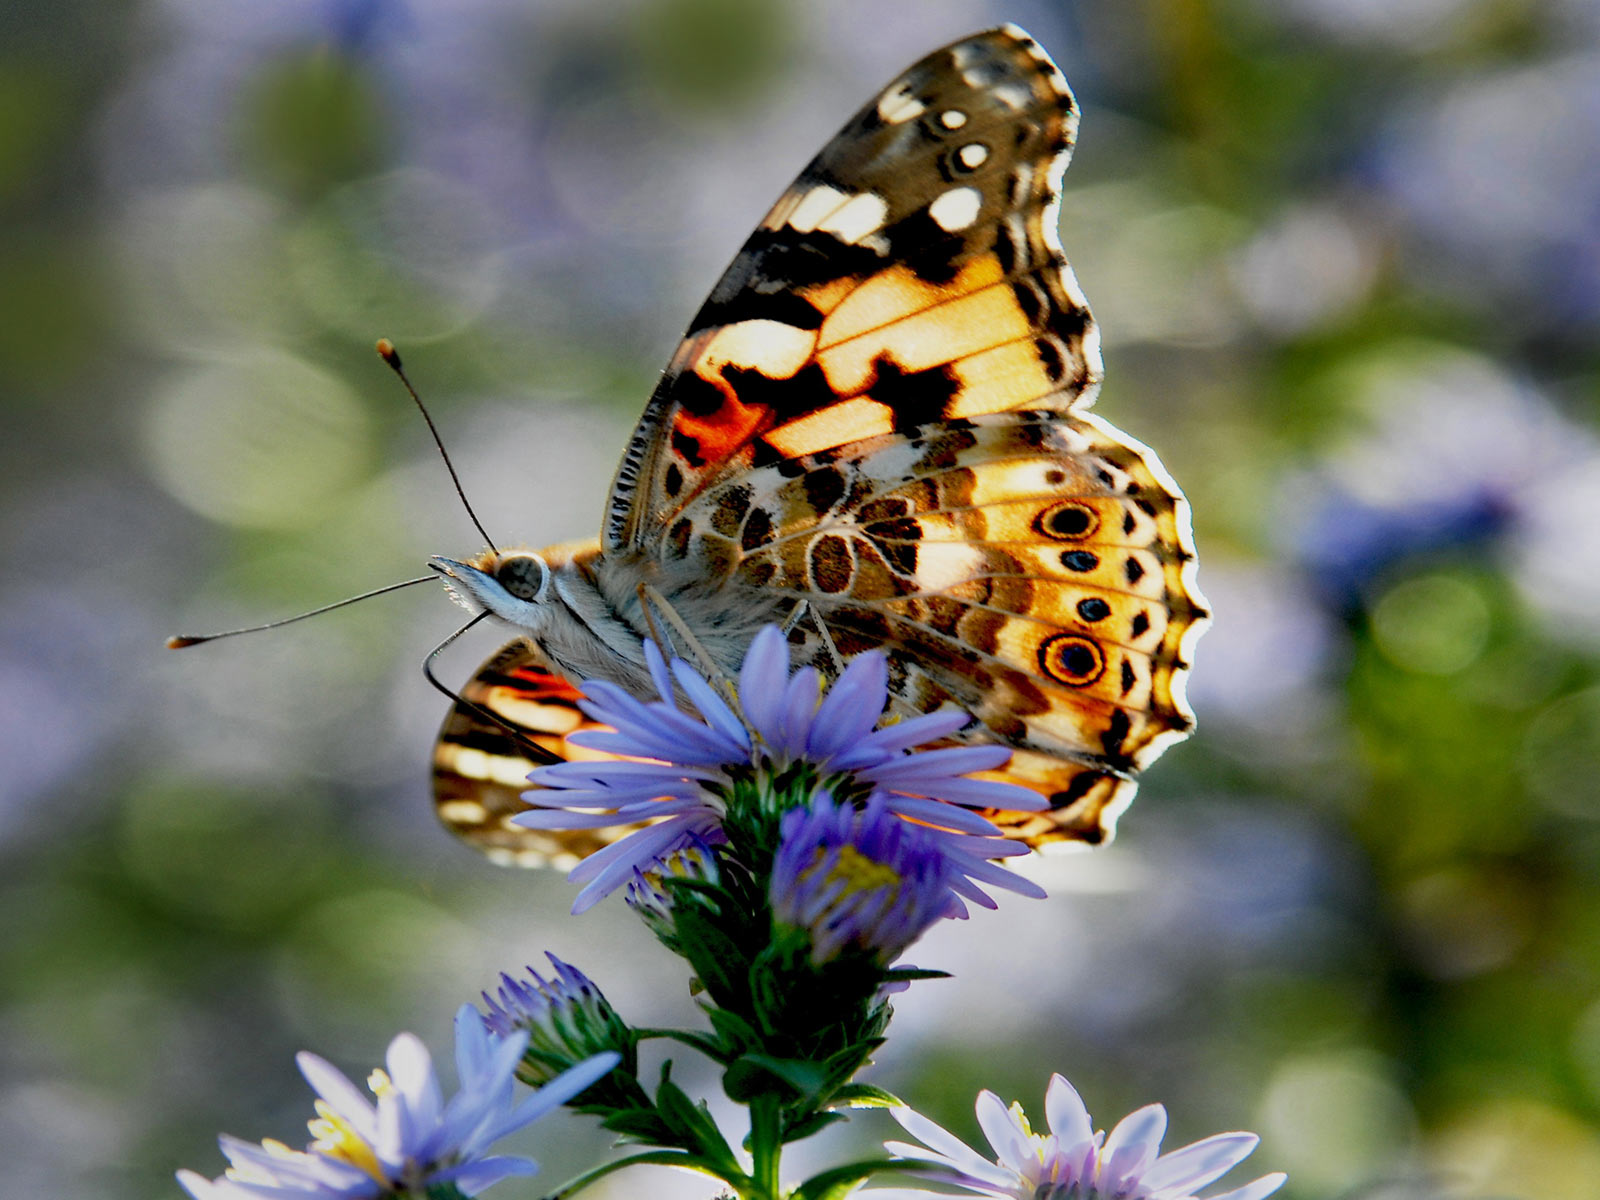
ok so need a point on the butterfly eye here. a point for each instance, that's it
(523, 575)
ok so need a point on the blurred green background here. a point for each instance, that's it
(1346, 258)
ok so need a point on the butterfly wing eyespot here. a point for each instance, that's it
(1066, 521)
(481, 765)
(1072, 659)
(1033, 568)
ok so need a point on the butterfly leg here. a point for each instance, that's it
(802, 609)
(650, 598)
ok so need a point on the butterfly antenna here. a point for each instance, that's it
(183, 639)
(533, 748)
(390, 355)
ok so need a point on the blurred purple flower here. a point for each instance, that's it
(1074, 1162)
(1499, 178)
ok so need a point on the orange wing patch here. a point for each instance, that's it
(912, 273)
(1032, 568)
(481, 762)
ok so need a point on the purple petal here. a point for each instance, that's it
(657, 666)
(1256, 1189)
(762, 679)
(712, 707)
(1134, 1144)
(851, 708)
(1066, 1113)
(999, 1125)
(340, 1094)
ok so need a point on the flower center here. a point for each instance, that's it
(332, 1136)
(856, 871)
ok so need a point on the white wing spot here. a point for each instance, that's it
(815, 207)
(956, 209)
(859, 218)
(1012, 96)
(973, 156)
(900, 104)
(952, 118)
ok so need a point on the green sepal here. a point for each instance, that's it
(864, 1095)
(709, 950)
(841, 1066)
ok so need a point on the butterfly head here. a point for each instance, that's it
(512, 584)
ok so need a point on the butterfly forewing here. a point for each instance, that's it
(911, 273)
(515, 715)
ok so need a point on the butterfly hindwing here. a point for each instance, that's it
(911, 273)
(879, 419)
(1032, 568)
(481, 762)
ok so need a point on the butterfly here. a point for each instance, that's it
(878, 421)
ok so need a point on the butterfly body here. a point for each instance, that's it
(587, 616)
(879, 420)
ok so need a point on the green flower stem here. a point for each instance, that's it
(766, 1147)
(663, 1158)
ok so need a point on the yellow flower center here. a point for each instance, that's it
(333, 1136)
(857, 872)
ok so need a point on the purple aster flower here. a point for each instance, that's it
(858, 879)
(411, 1140)
(566, 1019)
(787, 721)
(650, 897)
(1074, 1162)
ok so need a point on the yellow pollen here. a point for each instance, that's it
(858, 872)
(332, 1135)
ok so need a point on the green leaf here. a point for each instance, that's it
(754, 1075)
(864, 1095)
(736, 1033)
(693, 1124)
(839, 1182)
(669, 1158)
(711, 1047)
(912, 974)
(809, 1125)
(641, 1123)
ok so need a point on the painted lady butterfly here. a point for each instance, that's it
(881, 412)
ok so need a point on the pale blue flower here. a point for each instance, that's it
(411, 1139)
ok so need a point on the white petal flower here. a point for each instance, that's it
(1073, 1162)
